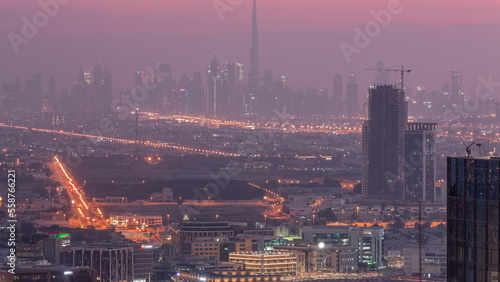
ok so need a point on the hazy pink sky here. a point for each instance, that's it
(298, 38)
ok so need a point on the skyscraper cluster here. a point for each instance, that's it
(451, 102)
(224, 89)
(225, 94)
(220, 92)
(91, 92)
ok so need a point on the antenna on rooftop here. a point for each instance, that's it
(480, 146)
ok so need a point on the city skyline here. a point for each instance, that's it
(249, 140)
(173, 41)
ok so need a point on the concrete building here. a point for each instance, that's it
(166, 195)
(209, 248)
(323, 257)
(240, 244)
(368, 240)
(433, 261)
(113, 262)
(193, 229)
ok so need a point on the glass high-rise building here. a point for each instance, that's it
(420, 163)
(473, 210)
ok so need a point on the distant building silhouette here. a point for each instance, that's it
(457, 96)
(253, 82)
(214, 86)
(381, 76)
(351, 99)
(337, 95)
(80, 93)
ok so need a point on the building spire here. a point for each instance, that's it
(254, 51)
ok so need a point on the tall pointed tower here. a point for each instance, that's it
(253, 82)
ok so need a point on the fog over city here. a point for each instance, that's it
(298, 39)
(249, 140)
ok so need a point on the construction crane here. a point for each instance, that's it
(402, 71)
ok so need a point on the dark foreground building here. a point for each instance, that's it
(473, 209)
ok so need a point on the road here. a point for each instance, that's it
(84, 211)
(283, 123)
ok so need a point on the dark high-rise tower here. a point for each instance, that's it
(473, 192)
(337, 95)
(351, 99)
(383, 143)
(253, 82)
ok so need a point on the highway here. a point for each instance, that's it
(184, 149)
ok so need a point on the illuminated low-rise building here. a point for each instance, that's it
(268, 263)
(132, 221)
(223, 276)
